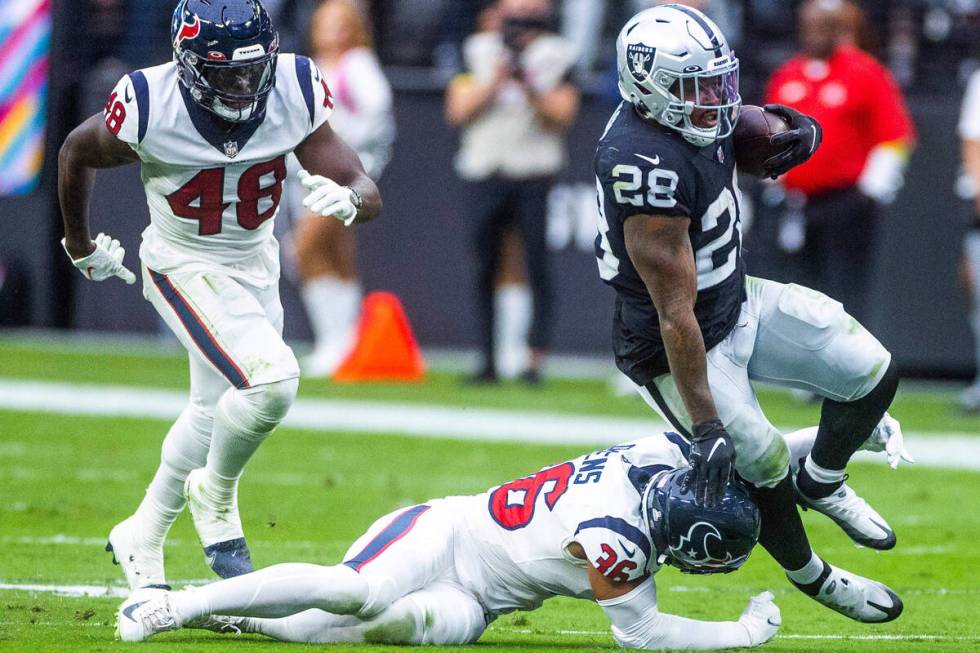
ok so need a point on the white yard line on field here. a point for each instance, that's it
(931, 449)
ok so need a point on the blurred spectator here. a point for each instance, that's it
(362, 115)
(860, 165)
(15, 293)
(514, 104)
(969, 131)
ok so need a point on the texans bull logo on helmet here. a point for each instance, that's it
(695, 547)
(188, 30)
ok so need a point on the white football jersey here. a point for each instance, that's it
(213, 193)
(523, 528)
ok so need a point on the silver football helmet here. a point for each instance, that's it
(676, 68)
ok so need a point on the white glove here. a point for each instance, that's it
(106, 261)
(884, 173)
(328, 198)
(887, 437)
(761, 618)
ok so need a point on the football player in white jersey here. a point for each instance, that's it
(597, 527)
(211, 130)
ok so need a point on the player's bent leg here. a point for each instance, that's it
(404, 552)
(761, 454)
(442, 614)
(243, 419)
(807, 340)
(273, 592)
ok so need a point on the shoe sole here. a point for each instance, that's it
(884, 544)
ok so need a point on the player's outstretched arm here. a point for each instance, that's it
(638, 624)
(333, 166)
(88, 147)
(660, 249)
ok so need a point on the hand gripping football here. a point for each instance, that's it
(753, 139)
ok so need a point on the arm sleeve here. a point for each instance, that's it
(122, 111)
(638, 624)
(969, 124)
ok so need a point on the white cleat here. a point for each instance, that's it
(145, 613)
(219, 529)
(854, 515)
(142, 565)
(853, 596)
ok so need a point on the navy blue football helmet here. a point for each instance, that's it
(698, 539)
(225, 51)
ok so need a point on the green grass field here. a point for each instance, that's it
(65, 480)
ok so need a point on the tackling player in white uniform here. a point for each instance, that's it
(211, 130)
(597, 527)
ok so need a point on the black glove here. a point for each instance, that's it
(712, 457)
(803, 138)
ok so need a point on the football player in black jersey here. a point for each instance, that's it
(692, 330)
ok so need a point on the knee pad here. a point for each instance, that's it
(262, 408)
(762, 461)
(450, 615)
(441, 614)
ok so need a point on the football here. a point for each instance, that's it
(753, 138)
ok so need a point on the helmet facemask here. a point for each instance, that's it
(704, 106)
(233, 90)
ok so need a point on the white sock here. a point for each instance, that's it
(821, 474)
(513, 307)
(333, 306)
(276, 591)
(242, 421)
(185, 448)
(809, 572)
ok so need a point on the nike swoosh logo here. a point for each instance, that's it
(128, 96)
(718, 443)
(128, 612)
(629, 552)
(773, 623)
(655, 160)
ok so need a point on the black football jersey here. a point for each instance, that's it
(645, 169)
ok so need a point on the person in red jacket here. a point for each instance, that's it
(868, 134)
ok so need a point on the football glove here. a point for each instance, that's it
(761, 618)
(712, 457)
(328, 198)
(802, 138)
(104, 262)
(887, 437)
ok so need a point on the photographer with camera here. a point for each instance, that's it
(513, 105)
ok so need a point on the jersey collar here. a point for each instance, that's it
(229, 141)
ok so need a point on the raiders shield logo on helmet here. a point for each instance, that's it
(640, 58)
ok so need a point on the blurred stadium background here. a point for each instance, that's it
(65, 479)
(78, 49)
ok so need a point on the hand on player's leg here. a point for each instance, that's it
(105, 261)
(761, 618)
(712, 458)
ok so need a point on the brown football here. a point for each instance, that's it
(753, 138)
